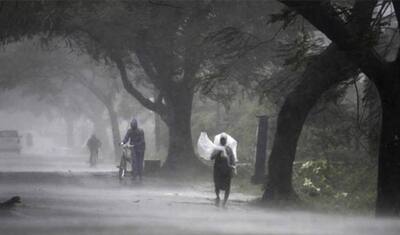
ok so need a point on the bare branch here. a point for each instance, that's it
(396, 5)
(321, 15)
(132, 90)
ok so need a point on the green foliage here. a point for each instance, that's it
(336, 166)
(298, 52)
(340, 186)
(314, 175)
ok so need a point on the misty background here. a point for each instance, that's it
(324, 74)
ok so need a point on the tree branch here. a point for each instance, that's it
(192, 54)
(149, 67)
(321, 15)
(159, 99)
(361, 16)
(96, 92)
(147, 103)
(396, 5)
(104, 97)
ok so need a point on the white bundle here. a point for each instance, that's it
(205, 147)
(230, 142)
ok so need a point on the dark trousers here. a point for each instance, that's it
(94, 154)
(137, 163)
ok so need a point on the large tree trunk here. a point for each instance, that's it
(175, 109)
(386, 77)
(157, 128)
(157, 132)
(116, 135)
(180, 150)
(325, 71)
(388, 198)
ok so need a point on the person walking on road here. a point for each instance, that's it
(93, 145)
(224, 167)
(135, 136)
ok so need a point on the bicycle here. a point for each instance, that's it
(126, 158)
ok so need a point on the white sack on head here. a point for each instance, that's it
(230, 141)
(205, 146)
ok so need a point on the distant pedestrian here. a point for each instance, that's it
(93, 145)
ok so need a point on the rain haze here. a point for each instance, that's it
(200, 117)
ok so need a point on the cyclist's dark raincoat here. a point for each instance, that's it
(135, 136)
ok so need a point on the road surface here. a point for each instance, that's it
(85, 201)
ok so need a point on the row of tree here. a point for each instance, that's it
(183, 47)
(355, 32)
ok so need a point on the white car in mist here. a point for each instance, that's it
(10, 141)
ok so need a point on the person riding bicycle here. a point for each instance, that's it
(135, 136)
(93, 145)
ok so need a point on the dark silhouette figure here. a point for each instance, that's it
(10, 203)
(135, 136)
(223, 169)
(93, 145)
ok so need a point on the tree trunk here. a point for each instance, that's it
(175, 109)
(157, 127)
(261, 151)
(374, 111)
(388, 195)
(157, 132)
(325, 71)
(116, 135)
(180, 150)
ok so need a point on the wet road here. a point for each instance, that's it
(76, 163)
(89, 202)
